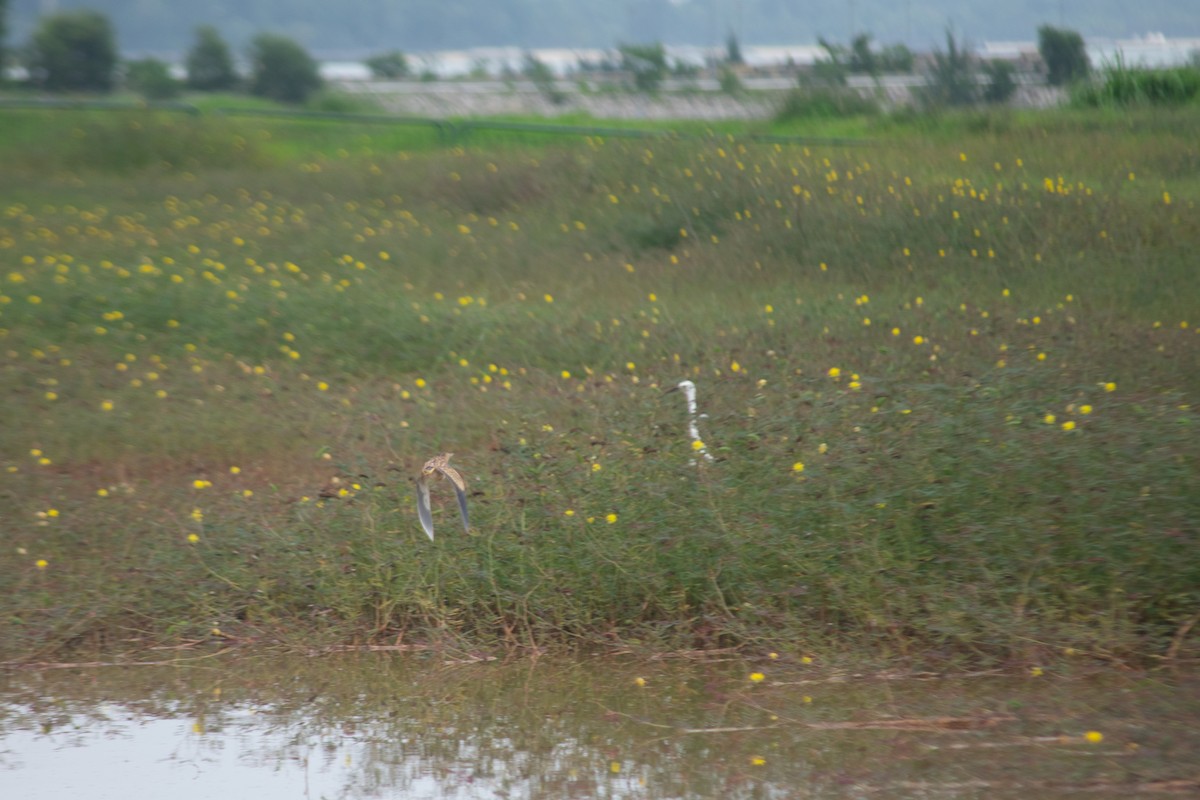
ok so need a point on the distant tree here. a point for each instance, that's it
(542, 77)
(686, 70)
(480, 69)
(832, 69)
(534, 68)
(389, 66)
(73, 51)
(209, 63)
(429, 69)
(281, 69)
(1001, 81)
(733, 50)
(3, 37)
(605, 64)
(952, 79)
(647, 63)
(1065, 55)
(152, 79)
(859, 58)
(862, 58)
(896, 58)
(730, 82)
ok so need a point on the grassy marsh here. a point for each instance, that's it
(950, 383)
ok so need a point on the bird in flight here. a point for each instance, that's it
(439, 464)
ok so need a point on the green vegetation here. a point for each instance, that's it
(646, 63)
(952, 77)
(733, 50)
(74, 51)
(950, 382)
(3, 40)
(1122, 86)
(1001, 81)
(729, 81)
(209, 63)
(1064, 54)
(810, 103)
(543, 78)
(282, 70)
(861, 58)
(152, 79)
(389, 66)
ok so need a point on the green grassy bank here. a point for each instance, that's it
(949, 377)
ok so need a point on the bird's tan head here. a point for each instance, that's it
(436, 463)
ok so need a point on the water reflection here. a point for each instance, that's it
(381, 725)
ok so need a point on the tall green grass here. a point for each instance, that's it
(1122, 86)
(949, 385)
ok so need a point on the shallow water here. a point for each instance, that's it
(390, 725)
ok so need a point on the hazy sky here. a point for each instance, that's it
(363, 26)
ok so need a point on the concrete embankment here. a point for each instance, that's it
(497, 98)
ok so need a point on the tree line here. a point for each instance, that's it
(77, 51)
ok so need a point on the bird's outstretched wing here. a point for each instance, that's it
(460, 489)
(423, 510)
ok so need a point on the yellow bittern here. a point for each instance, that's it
(439, 464)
